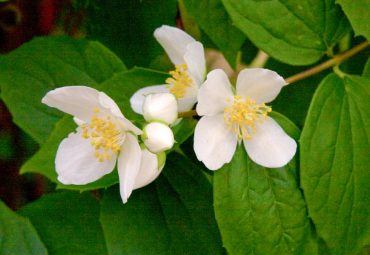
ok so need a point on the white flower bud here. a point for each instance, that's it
(160, 106)
(158, 137)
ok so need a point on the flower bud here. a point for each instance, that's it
(150, 168)
(160, 106)
(158, 137)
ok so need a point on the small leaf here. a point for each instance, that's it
(261, 210)
(214, 20)
(17, 235)
(43, 64)
(173, 215)
(68, 223)
(358, 15)
(334, 163)
(294, 32)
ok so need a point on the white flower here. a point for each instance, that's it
(158, 137)
(188, 57)
(229, 119)
(103, 137)
(160, 107)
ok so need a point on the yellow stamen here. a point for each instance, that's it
(104, 135)
(243, 114)
(180, 81)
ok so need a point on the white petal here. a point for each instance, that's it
(148, 169)
(195, 60)
(128, 165)
(214, 144)
(260, 84)
(137, 99)
(160, 106)
(75, 161)
(174, 41)
(79, 101)
(188, 101)
(108, 103)
(270, 146)
(214, 94)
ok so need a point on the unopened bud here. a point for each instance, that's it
(158, 137)
(160, 106)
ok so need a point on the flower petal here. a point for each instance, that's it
(75, 161)
(187, 102)
(78, 101)
(148, 169)
(260, 84)
(214, 144)
(108, 103)
(270, 146)
(128, 165)
(174, 41)
(214, 93)
(137, 99)
(196, 62)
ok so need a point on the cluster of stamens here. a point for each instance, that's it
(180, 81)
(105, 136)
(243, 114)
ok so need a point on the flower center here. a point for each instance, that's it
(243, 114)
(180, 81)
(105, 136)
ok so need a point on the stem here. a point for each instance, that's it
(260, 60)
(336, 60)
(187, 114)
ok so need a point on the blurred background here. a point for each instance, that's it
(20, 21)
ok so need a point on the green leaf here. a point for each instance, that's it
(261, 210)
(216, 23)
(43, 64)
(294, 32)
(127, 27)
(358, 15)
(17, 235)
(68, 223)
(335, 160)
(173, 215)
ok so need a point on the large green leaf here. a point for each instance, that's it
(261, 210)
(45, 63)
(295, 32)
(214, 20)
(127, 26)
(335, 163)
(173, 215)
(120, 87)
(358, 15)
(17, 235)
(68, 223)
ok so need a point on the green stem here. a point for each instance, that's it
(336, 60)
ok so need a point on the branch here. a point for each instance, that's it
(336, 60)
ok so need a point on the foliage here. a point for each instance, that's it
(317, 204)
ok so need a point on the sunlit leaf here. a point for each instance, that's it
(294, 32)
(335, 163)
